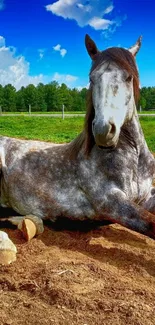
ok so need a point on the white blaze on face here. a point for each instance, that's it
(112, 94)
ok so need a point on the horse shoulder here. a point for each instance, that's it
(146, 172)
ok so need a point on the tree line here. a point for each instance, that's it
(45, 98)
(51, 97)
(147, 98)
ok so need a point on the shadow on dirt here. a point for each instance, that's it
(60, 224)
(116, 246)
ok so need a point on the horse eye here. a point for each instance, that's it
(129, 78)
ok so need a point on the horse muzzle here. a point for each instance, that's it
(105, 134)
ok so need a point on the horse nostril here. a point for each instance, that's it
(93, 124)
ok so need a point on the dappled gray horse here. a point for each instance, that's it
(105, 173)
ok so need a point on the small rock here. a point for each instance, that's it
(8, 250)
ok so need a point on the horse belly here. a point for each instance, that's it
(42, 182)
(44, 198)
(73, 202)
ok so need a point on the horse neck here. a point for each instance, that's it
(134, 130)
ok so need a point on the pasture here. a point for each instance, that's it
(58, 130)
(66, 276)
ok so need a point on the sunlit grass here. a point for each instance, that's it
(148, 126)
(43, 113)
(58, 130)
(41, 128)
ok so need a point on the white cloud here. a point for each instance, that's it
(2, 41)
(109, 9)
(100, 23)
(64, 78)
(63, 52)
(41, 53)
(85, 8)
(90, 12)
(14, 68)
(1, 4)
(85, 86)
(58, 48)
(112, 28)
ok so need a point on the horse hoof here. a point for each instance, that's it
(28, 229)
(7, 249)
(31, 226)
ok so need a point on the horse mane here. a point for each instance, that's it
(125, 60)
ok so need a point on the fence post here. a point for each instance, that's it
(29, 109)
(63, 114)
(0, 110)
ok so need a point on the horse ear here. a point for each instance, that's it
(135, 48)
(91, 47)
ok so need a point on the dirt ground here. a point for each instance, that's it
(104, 276)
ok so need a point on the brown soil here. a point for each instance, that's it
(101, 277)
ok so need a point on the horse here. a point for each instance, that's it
(106, 173)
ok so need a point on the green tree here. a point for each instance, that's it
(151, 101)
(31, 97)
(77, 100)
(1, 96)
(9, 98)
(83, 94)
(65, 97)
(149, 94)
(51, 96)
(20, 100)
(42, 106)
(142, 102)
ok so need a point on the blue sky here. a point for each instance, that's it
(43, 40)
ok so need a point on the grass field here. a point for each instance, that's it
(44, 113)
(147, 112)
(41, 128)
(66, 112)
(148, 125)
(58, 130)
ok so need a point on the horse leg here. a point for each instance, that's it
(30, 225)
(150, 203)
(117, 208)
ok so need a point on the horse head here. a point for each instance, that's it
(114, 87)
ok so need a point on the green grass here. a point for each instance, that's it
(66, 112)
(148, 126)
(41, 128)
(58, 112)
(147, 112)
(58, 130)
